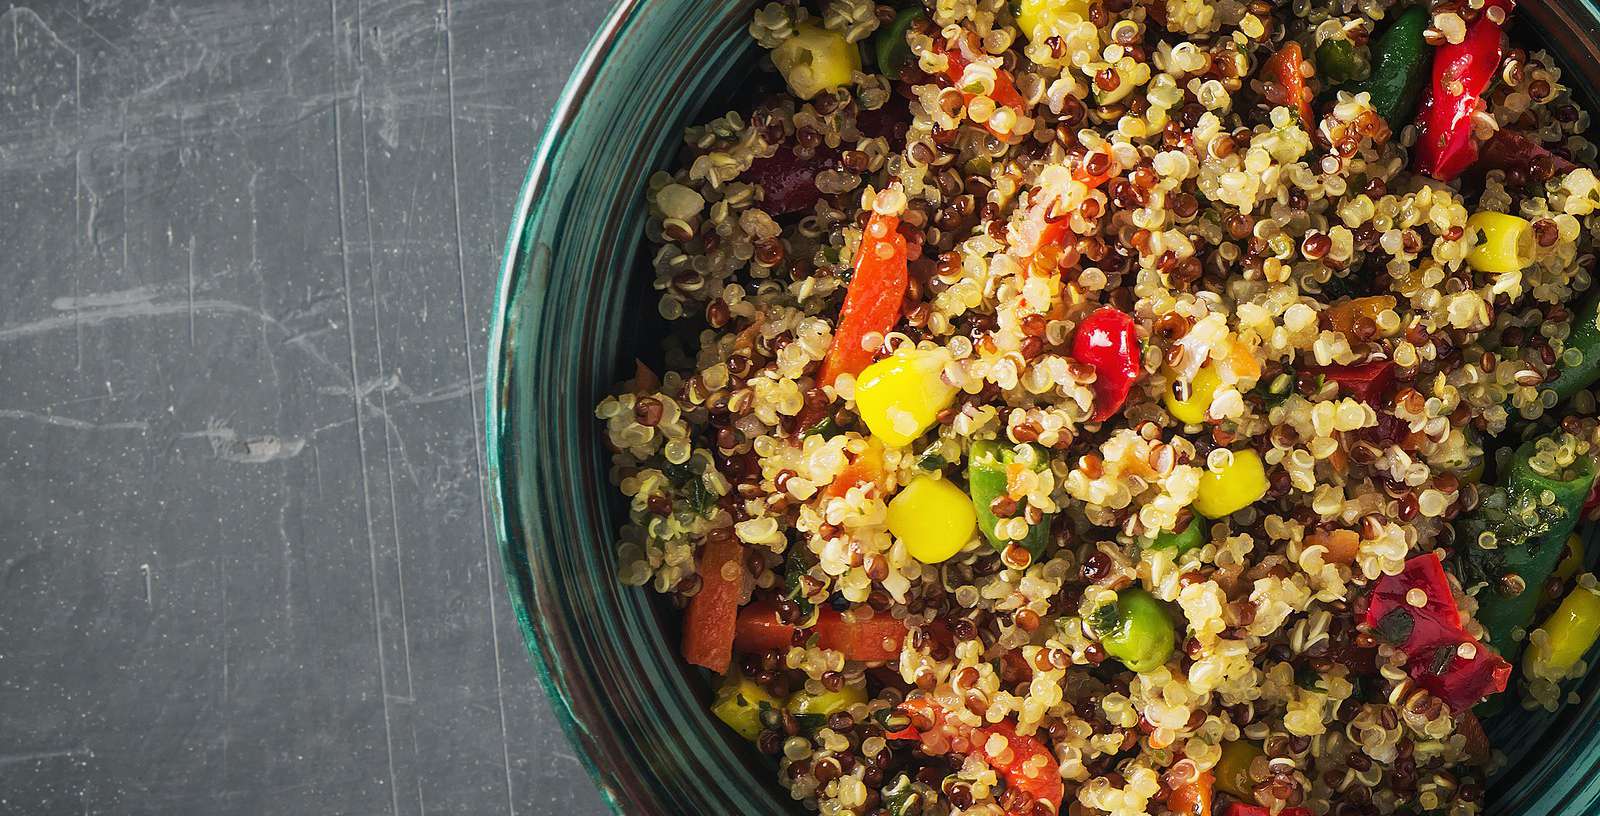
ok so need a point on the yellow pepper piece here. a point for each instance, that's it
(1033, 13)
(1233, 769)
(815, 60)
(739, 702)
(1342, 318)
(1233, 488)
(827, 703)
(1504, 242)
(1192, 411)
(933, 517)
(1571, 563)
(1570, 631)
(901, 396)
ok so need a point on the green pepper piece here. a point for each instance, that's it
(1183, 541)
(1585, 337)
(986, 481)
(1340, 61)
(1529, 539)
(1135, 630)
(1400, 61)
(889, 45)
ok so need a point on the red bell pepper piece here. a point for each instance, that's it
(1012, 764)
(1108, 341)
(867, 467)
(1005, 88)
(1461, 73)
(875, 638)
(1284, 69)
(710, 620)
(1370, 383)
(1242, 809)
(1431, 635)
(872, 304)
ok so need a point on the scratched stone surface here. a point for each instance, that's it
(247, 257)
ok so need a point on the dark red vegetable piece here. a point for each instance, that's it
(788, 182)
(1370, 383)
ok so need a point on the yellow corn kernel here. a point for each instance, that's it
(1052, 13)
(933, 517)
(1572, 562)
(901, 396)
(1233, 769)
(827, 703)
(1192, 411)
(1569, 633)
(1504, 242)
(815, 60)
(1233, 488)
(739, 702)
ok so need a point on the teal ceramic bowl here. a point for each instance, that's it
(575, 308)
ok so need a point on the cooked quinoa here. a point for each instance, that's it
(1321, 371)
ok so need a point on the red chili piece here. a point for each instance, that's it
(1461, 73)
(1108, 341)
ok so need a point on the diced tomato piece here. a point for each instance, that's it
(1108, 340)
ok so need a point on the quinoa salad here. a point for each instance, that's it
(1125, 406)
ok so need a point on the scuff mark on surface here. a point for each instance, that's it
(230, 447)
(76, 424)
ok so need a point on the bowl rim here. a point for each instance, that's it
(501, 504)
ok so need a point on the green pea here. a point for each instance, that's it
(1192, 536)
(890, 43)
(1135, 630)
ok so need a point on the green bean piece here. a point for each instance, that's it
(1400, 61)
(986, 481)
(1517, 535)
(889, 46)
(1135, 630)
(1585, 337)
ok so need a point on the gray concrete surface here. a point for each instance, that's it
(247, 258)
